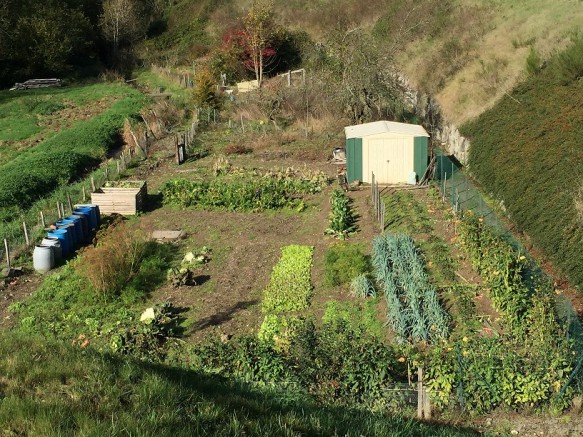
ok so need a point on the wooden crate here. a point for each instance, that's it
(121, 200)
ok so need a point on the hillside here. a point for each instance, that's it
(525, 151)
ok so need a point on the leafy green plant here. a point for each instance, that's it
(251, 195)
(184, 274)
(341, 222)
(343, 262)
(289, 287)
(501, 267)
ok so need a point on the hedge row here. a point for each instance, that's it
(526, 151)
(64, 157)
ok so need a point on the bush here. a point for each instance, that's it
(114, 261)
(342, 263)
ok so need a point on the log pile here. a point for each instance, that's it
(37, 83)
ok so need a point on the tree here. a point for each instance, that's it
(122, 23)
(259, 31)
(368, 84)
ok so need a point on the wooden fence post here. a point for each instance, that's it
(26, 239)
(42, 220)
(62, 210)
(242, 125)
(70, 203)
(84, 195)
(7, 253)
(92, 184)
(59, 210)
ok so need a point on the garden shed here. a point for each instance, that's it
(390, 150)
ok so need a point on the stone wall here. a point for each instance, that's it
(435, 122)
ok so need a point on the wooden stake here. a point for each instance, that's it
(25, 234)
(92, 184)
(7, 253)
(106, 173)
(42, 220)
(84, 195)
(118, 167)
(242, 125)
(70, 203)
(63, 210)
(419, 393)
(426, 405)
(59, 210)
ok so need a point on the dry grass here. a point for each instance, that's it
(510, 28)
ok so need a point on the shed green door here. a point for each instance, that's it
(354, 159)
(420, 156)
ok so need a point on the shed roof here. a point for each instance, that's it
(378, 127)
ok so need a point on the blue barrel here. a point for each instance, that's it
(94, 211)
(85, 226)
(78, 228)
(89, 213)
(69, 225)
(65, 239)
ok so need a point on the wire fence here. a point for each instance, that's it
(456, 188)
(20, 235)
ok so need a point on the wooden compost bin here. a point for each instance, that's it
(121, 197)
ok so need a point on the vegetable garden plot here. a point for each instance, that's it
(413, 308)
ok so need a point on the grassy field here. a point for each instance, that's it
(29, 117)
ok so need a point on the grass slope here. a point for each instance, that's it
(52, 389)
(63, 157)
(526, 151)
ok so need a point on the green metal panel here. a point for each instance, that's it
(420, 156)
(354, 159)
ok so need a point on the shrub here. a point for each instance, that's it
(237, 149)
(342, 263)
(114, 261)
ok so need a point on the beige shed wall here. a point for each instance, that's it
(390, 156)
